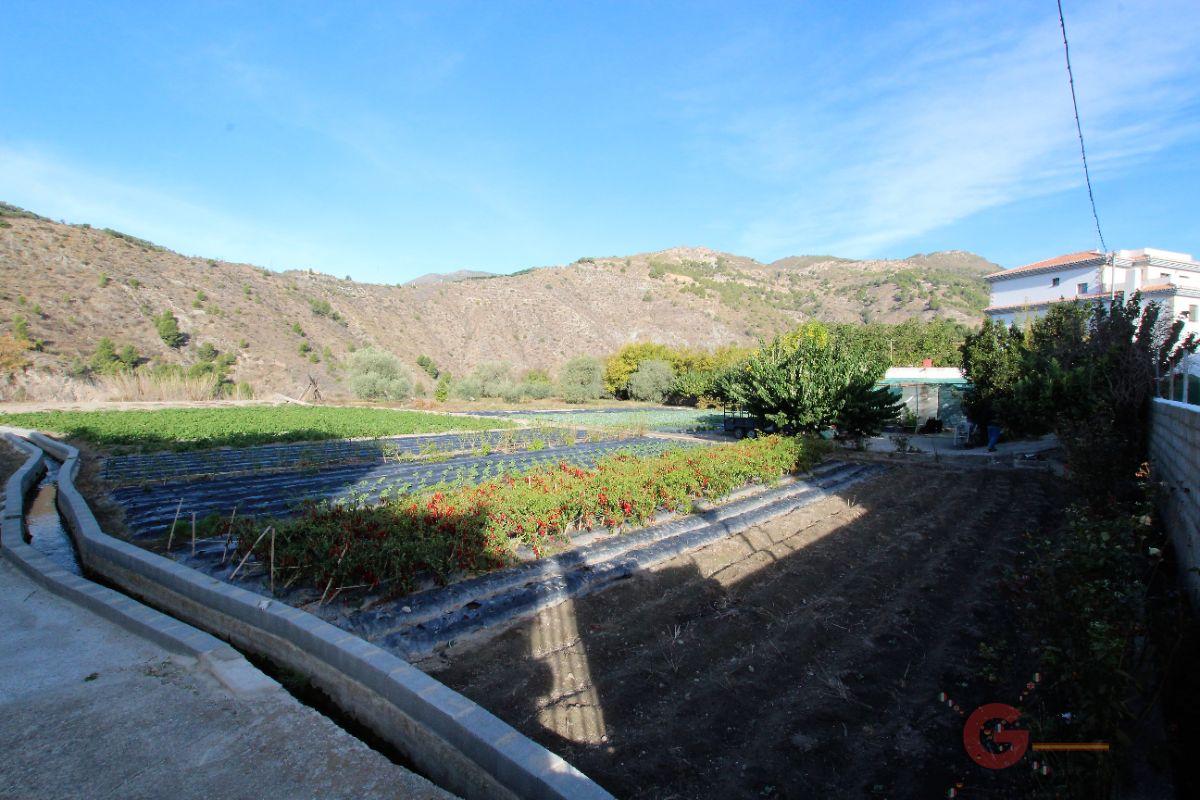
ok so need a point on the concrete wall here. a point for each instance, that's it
(1039, 288)
(1175, 456)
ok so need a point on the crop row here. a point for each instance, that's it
(472, 528)
(151, 509)
(173, 466)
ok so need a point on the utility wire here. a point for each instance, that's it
(1079, 127)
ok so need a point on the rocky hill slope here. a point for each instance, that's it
(73, 284)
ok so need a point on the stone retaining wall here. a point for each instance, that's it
(1175, 456)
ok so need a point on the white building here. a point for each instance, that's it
(1173, 279)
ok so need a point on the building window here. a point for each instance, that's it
(1193, 313)
(1166, 275)
(1054, 281)
(1081, 288)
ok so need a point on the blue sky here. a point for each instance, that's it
(385, 140)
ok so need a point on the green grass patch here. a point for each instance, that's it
(200, 428)
(477, 528)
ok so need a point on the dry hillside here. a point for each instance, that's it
(75, 284)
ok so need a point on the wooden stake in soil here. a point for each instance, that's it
(171, 535)
(272, 560)
(329, 585)
(249, 552)
(193, 534)
(228, 535)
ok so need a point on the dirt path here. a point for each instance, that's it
(803, 658)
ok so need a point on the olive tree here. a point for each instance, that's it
(651, 381)
(581, 379)
(377, 375)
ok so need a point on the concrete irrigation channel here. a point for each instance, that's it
(150, 508)
(455, 742)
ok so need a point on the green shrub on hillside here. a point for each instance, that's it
(536, 390)
(322, 309)
(442, 392)
(104, 359)
(426, 363)
(536, 376)
(168, 329)
(129, 357)
(211, 361)
(20, 328)
(377, 375)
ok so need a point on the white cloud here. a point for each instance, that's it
(973, 116)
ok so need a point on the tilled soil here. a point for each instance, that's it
(801, 658)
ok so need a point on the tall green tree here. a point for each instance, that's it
(1087, 372)
(807, 380)
(908, 343)
(993, 359)
(1101, 396)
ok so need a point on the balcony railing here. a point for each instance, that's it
(1183, 384)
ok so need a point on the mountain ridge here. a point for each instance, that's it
(73, 284)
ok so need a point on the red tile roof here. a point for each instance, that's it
(1159, 287)
(1082, 257)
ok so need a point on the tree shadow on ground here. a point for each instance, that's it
(802, 658)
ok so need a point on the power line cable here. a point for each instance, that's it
(1079, 128)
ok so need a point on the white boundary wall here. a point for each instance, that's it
(1175, 456)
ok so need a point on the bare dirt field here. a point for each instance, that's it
(803, 658)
